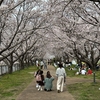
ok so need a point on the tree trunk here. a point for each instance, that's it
(21, 64)
(10, 69)
(11, 64)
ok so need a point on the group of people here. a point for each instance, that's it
(83, 70)
(44, 81)
(47, 82)
(41, 64)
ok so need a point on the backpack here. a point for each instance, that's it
(38, 77)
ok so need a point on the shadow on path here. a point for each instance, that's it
(31, 92)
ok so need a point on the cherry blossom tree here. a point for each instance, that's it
(79, 20)
(23, 22)
(31, 28)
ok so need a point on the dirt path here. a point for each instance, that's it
(31, 93)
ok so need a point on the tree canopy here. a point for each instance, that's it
(29, 29)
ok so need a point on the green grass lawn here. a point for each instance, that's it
(12, 84)
(84, 90)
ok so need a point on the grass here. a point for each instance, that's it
(84, 90)
(12, 84)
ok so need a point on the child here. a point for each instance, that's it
(40, 79)
(35, 74)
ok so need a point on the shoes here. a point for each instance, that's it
(37, 85)
(47, 90)
(50, 90)
(41, 89)
(58, 91)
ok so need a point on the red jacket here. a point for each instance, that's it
(89, 71)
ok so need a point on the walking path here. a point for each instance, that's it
(31, 93)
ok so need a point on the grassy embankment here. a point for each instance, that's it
(12, 84)
(85, 90)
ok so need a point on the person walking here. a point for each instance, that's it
(37, 64)
(45, 64)
(61, 75)
(48, 82)
(41, 64)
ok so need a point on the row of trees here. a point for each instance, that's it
(30, 28)
(78, 21)
(21, 24)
